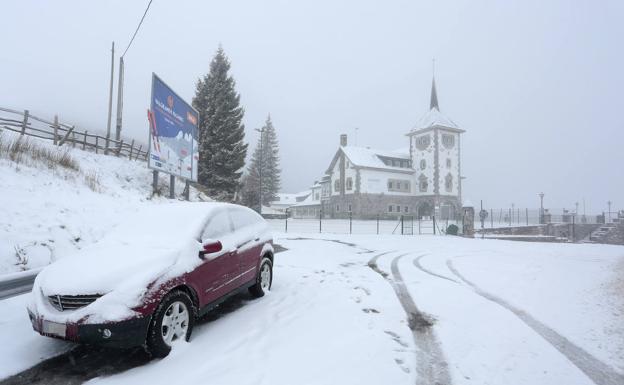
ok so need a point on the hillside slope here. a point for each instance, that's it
(57, 200)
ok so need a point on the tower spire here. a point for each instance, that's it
(434, 95)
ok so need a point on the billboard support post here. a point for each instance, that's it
(154, 181)
(171, 186)
(187, 190)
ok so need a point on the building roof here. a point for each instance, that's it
(370, 158)
(433, 117)
(289, 199)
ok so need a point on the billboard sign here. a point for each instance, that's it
(173, 146)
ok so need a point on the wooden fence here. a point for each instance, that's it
(27, 124)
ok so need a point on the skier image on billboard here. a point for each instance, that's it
(173, 133)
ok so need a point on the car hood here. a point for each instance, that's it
(121, 273)
(102, 270)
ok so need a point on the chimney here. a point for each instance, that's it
(343, 139)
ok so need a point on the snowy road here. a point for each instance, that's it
(381, 309)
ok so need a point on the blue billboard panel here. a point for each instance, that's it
(174, 123)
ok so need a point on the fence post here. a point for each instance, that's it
(64, 139)
(84, 141)
(187, 190)
(96, 143)
(25, 122)
(434, 225)
(119, 145)
(419, 232)
(401, 224)
(350, 222)
(320, 221)
(286, 223)
(138, 152)
(377, 224)
(74, 139)
(131, 148)
(55, 129)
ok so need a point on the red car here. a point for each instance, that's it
(147, 281)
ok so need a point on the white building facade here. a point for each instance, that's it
(422, 180)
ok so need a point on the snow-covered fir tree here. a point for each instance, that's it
(265, 159)
(222, 149)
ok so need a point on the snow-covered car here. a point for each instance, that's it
(147, 281)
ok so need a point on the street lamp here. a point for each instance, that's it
(541, 220)
(261, 131)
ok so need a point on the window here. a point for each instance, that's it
(399, 185)
(349, 183)
(243, 218)
(218, 226)
(448, 183)
(448, 162)
(423, 185)
(337, 208)
(406, 209)
(398, 209)
(349, 208)
(390, 208)
(337, 185)
(316, 196)
(423, 164)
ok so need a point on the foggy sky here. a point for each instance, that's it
(537, 85)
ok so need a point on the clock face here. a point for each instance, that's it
(422, 142)
(448, 141)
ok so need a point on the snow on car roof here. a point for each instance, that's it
(166, 223)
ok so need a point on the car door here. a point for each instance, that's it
(246, 227)
(217, 274)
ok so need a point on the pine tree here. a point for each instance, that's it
(265, 159)
(222, 150)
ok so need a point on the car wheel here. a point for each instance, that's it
(264, 279)
(172, 321)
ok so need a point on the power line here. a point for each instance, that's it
(137, 29)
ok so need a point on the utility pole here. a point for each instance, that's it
(609, 204)
(541, 220)
(110, 99)
(119, 98)
(261, 131)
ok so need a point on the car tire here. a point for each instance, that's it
(264, 279)
(177, 314)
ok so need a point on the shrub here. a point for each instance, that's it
(452, 230)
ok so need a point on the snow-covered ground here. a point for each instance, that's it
(48, 213)
(362, 309)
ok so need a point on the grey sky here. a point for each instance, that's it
(536, 84)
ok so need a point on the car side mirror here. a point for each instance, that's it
(209, 247)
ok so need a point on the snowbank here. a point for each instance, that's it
(48, 213)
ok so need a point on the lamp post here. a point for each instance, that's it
(261, 131)
(541, 218)
(609, 204)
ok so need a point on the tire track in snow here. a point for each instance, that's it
(425, 270)
(431, 366)
(599, 372)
